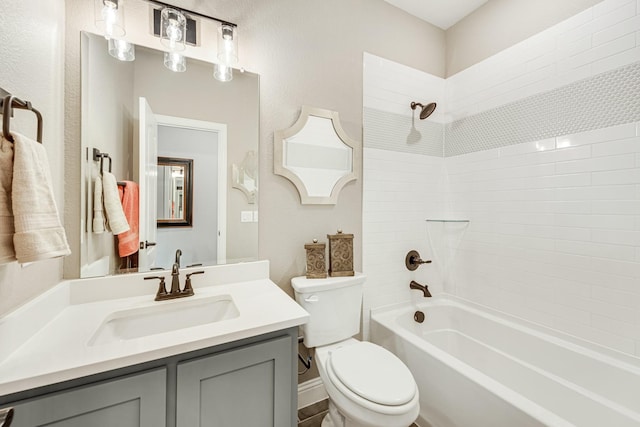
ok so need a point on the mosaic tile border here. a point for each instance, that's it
(604, 100)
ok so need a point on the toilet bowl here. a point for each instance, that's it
(368, 386)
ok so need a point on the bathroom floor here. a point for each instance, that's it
(311, 416)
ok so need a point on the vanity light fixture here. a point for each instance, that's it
(175, 28)
(109, 18)
(122, 49)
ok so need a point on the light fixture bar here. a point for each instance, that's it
(190, 12)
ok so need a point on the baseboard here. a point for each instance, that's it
(310, 392)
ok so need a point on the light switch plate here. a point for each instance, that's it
(246, 216)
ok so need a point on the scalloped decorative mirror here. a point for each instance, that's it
(317, 156)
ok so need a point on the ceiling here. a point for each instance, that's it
(441, 13)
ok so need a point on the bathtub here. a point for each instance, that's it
(476, 367)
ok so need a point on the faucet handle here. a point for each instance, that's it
(162, 289)
(188, 289)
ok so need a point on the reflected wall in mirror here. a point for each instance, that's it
(111, 90)
(175, 192)
(317, 156)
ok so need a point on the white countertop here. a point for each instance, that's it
(48, 340)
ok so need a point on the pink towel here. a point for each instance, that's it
(129, 196)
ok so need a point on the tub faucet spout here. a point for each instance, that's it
(423, 288)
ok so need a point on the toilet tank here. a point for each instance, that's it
(334, 305)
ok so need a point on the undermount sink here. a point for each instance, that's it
(164, 317)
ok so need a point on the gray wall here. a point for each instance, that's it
(499, 24)
(31, 52)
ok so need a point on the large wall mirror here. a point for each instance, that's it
(189, 115)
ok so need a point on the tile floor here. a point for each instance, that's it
(312, 415)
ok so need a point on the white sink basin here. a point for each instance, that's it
(164, 317)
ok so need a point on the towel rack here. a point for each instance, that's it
(8, 103)
(98, 156)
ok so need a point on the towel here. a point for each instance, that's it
(7, 253)
(112, 205)
(38, 232)
(130, 196)
(98, 214)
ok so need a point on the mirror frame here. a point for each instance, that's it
(187, 164)
(279, 139)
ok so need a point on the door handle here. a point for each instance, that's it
(146, 244)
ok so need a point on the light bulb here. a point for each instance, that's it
(174, 29)
(175, 62)
(227, 44)
(122, 50)
(222, 72)
(109, 18)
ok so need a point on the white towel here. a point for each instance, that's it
(38, 232)
(98, 214)
(112, 205)
(7, 253)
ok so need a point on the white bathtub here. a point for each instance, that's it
(476, 367)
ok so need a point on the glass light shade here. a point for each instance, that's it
(109, 17)
(122, 50)
(227, 44)
(173, 29)
(175, 62)
(222, 72)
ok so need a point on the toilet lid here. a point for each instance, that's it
(373, 373)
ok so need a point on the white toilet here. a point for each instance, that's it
(367, 384)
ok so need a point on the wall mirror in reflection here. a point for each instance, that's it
(175, 192)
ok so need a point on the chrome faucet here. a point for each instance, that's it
(423, 288)
(175, 291)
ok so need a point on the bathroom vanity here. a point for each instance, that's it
(90, 360)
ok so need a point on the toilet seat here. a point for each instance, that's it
(355, 370)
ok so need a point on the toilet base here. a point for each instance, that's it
(335, 419)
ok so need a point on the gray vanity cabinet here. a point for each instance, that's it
(247, 386)
(245, 383)
(133, 401)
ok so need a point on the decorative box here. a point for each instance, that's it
(316, 262)
(340, 254)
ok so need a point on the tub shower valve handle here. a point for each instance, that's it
(413, 260)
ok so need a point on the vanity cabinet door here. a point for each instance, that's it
(248, 386)
(134, 401)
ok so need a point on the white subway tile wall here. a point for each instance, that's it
(559, 244)
(602, 38)
(554, 235)
(400, 191)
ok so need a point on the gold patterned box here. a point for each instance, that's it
(340, 254)
(316, 262)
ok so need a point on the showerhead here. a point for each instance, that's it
(426, 111)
